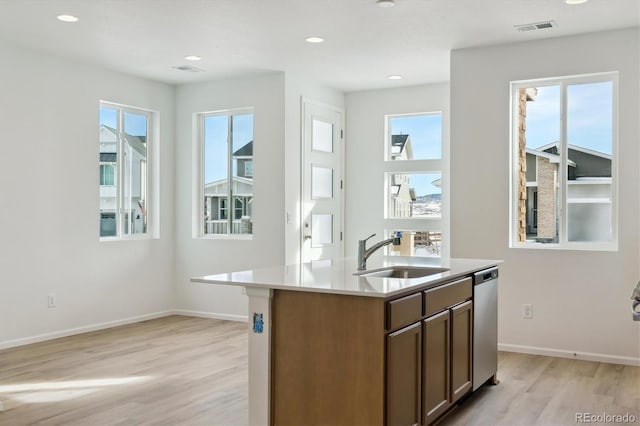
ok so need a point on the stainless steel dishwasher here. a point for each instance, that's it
(485, 327)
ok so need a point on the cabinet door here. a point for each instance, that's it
(404, 365)
(437, 386)
(461, 348)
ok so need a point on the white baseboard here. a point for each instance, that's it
(212, 315)
(586, 356)
(101, 326)
(79, 330)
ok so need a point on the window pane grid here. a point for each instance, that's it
(124, 135)
(563, 160)
(227, 164)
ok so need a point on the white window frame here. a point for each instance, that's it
(198, 222)
(423, 166)
(563, 243)
(150, 201)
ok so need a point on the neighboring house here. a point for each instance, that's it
(401, 196)
(216, 195)
(588, 197)
(135, 179)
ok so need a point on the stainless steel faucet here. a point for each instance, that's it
(364, 252)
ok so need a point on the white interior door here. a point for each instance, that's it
(322, 186)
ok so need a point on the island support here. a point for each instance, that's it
(259, 355)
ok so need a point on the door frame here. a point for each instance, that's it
(304, 101)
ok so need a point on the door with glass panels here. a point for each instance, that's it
(321, 182)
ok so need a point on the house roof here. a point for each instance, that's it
(398, 142)
(138, 143)
(245, 151)
(223, 181)
(575, 148)
(553, 158)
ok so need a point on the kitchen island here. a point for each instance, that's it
(331, 345)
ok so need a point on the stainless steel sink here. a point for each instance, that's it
(402, 272)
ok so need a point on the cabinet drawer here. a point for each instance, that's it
(404, 311)
(442, 297)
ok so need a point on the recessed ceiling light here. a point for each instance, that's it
(192, 58)
(572, 2)
(385, 3)
(395, 77)
(67, 18)
(314, 39)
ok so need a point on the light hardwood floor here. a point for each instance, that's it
(170, 371)
(193, 371)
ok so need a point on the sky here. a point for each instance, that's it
(134, 124)
(425, 132)
(215, 143)
(589, 116)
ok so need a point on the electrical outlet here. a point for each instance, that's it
(527, 311)
(51, 300)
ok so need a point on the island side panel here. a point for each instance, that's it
(327, 359)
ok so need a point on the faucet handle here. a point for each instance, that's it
(368, 238)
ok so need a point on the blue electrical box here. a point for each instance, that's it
(258, 323)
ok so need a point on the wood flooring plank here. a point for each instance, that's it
(193, 371)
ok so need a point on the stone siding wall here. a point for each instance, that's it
(547, 198)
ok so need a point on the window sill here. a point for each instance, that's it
(129, 238)
(566, 246)
(238, 237)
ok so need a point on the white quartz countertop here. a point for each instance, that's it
(337, 276)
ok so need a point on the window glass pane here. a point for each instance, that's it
(590, 149)
(576, 165)
(228, 173)
(538, 161)
(215, 169)
(107, 176)
(242, 164)
(414, 195)
(416, 243)
(322, 136)
(134, 152)
(108, 154)
(415, 137)
(321, 182)
(321, 229)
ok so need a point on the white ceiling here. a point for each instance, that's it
(364, 43)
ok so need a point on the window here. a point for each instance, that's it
(124, 153)
(226, 186)
(414, 137)
(107, 174)
(564, 162)
(413, 182)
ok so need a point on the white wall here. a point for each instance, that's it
(197, 256)
(297, 88)
(49, 222)
(580, 298)
(365, 154)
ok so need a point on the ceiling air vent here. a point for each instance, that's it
(536, 26)
(188, 68)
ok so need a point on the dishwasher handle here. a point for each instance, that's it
(485, 275)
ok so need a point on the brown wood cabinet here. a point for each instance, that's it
(353, 360)
(447, 349)
(461, 349)
(437, 360)
(404, 384)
